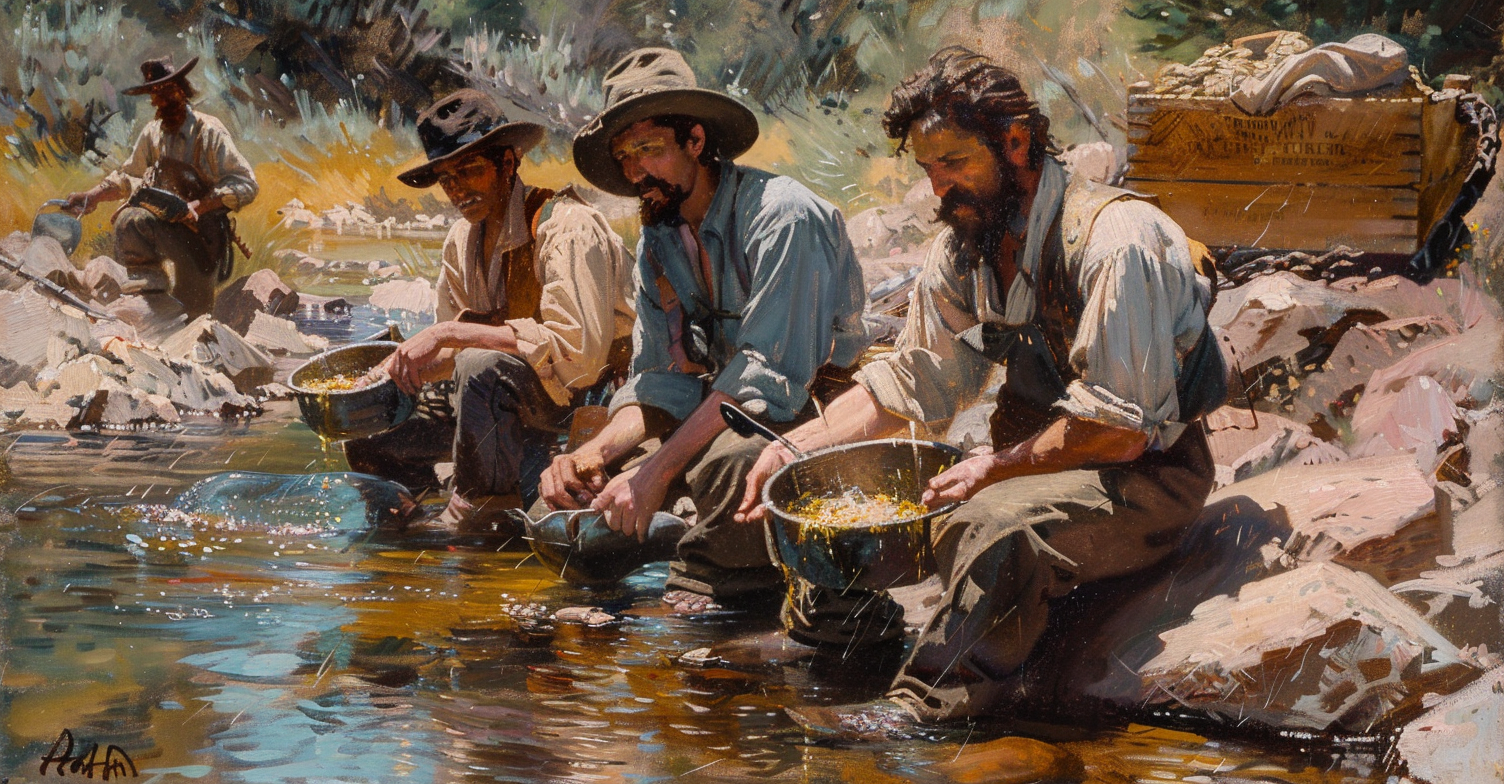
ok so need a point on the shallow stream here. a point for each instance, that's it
(260, 654)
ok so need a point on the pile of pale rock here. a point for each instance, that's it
(141, 364)
(1347, 575)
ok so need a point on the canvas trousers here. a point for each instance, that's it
(1022, 543)
(143, 242)
(500, 434)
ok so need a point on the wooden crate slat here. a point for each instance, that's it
(1369, 143)
(1379, 220)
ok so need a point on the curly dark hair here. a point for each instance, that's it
(973, 93)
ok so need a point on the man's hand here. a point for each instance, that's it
(198, 207)
(629, 501)
(774, 456)
(81, 202)
(573, 480)
(414, 361)
(963, 480)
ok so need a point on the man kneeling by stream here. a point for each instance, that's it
(1089, 296)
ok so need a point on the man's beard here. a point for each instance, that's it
(989, 218)
(661, 213)
(172, 116)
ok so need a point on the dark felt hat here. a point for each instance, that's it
(463, 122)
(159, 72)
(651, 83)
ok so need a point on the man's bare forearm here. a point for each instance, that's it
(626, 430)
(1067, 444)
(459, 335)
(691, 437)
(853, 416)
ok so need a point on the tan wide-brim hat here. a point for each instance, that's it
(159, 72)
(465, 122)
(651, 83)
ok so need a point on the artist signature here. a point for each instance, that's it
(115, 762)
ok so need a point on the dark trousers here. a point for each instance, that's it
(500, 435)
(144, 242)
(1019, 544)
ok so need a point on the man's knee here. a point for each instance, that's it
(487, 372)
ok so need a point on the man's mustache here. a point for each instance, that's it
(666, 189)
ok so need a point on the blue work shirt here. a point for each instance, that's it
(786, 297)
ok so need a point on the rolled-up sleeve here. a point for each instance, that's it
(930, 373)
(1144, 311)
(788, 322)
(579, 260)
(656, 380)
(134, 167)
(234, 181)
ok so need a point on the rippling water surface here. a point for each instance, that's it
(240, 652)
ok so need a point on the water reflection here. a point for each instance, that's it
(288, 654)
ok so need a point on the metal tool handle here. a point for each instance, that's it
(744, 425)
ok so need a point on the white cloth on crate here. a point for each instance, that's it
(1366, 62)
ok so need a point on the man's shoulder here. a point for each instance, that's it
(780, 197)
(208, 123)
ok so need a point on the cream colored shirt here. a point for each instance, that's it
(587, 299)
(202, 142)
(1144, 311)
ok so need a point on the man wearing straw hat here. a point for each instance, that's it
(534, 315)
(1090, 297)
(190, 155)
(748, 287)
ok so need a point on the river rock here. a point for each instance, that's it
(15, 399)
(154, 317)
(43, 257)
(414, 296)
(1332, 389)
(190, 386)
(884, 231)
(47, 414)
(1320, 647)
(1245, 444)
(104, 279)
(261, 291)
(113, 405)
(1378, 514)
(921, 198)
(1417, 419)
(1464, 365)
(1458, 739)
(1465, 602)
(281, 336)
(31, 326)
(218, 346)
(1097, 642)
(323, 306)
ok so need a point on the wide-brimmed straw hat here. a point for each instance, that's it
(159, 72)
(463, 122)
(651, 83)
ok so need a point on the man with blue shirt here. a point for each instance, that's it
(747, 287)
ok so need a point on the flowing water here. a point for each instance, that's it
(271, 653)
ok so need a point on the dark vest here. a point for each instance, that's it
(1037, 354)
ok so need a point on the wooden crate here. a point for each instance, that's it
(1370, 173)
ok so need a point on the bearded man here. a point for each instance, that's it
(748, 288)
(188, 154)
(1090, 298)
